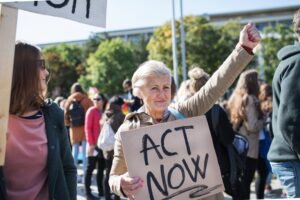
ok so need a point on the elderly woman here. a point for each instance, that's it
(152, 83)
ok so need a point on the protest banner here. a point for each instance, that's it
(84, 11)
(8, 25)
(176, 160)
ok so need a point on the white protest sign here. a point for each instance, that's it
(176, 160)
(91, 12)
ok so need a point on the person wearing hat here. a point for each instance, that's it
(92, 130)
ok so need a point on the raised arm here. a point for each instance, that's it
(221, 80)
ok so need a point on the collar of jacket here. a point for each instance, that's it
(146, 118)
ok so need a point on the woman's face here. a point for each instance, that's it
(156, 94)
(43, 72)
(98, 102)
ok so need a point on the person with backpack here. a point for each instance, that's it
(247, 119)
(152, 83)
(222, 135)
(38, 160)
(94, 156)
(74, 114)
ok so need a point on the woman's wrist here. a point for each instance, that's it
(248, 49)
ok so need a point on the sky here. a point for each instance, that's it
(126, 14)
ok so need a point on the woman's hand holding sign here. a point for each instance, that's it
(131, 185)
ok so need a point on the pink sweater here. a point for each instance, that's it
(92, 125)
(25, 167)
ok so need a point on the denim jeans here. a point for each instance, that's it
(288, 173)
(75, 152)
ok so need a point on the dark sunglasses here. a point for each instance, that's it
(97, 99)
(41, 64)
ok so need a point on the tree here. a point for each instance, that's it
(206, 45)
(274, 39)
(112, 62)
(91, 45)
(140, 50)
(65, 66)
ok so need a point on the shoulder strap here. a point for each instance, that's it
(176, 113)
(215, 111)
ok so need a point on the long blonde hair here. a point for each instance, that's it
(246, 85)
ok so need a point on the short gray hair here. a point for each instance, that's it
(148, 68)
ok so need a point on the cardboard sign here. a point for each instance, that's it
(8, 26)
(91, 12)
(176, 160)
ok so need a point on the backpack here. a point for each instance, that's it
(231, 157)
(76, 114)
(235, 153)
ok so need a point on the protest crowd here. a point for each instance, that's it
(51, 140)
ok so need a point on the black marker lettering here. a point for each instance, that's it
(74, 6)
(168, 153)
(164, 189)
(145, 140)
(63, 4)
(197, 168)
(88, 6)
(185, 137)
(176, 165)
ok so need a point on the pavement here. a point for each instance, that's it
(274, 194)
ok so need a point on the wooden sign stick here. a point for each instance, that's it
(8, 25)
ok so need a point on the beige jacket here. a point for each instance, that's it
(197, 105)
(251, 126)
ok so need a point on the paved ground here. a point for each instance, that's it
(275, 194)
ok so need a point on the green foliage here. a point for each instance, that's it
(65, 66)
(92, 43)
(206, 45)
(274, 39)
(140, 50)
(109, 65)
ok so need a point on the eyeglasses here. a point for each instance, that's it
(41, 64)
(97, 99)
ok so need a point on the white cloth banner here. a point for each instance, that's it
(85, 11)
